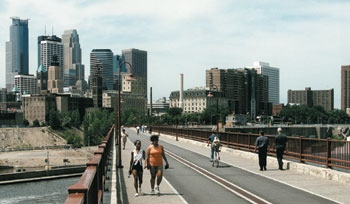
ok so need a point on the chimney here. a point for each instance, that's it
(181, 91)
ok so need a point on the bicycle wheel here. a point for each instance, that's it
(213, 160)
(217, 159)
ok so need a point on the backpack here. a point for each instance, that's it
(216, 141)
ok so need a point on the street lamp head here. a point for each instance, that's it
(130, 77)
(210, 94)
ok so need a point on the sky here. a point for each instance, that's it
(308, 40)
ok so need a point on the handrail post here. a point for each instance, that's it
(248, 142)
(301, 149)
(329, 152)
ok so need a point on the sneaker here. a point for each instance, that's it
(211, 160)
(136, 194)
(152, 191)
(157, 189)
(139, 190)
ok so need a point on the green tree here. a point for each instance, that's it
(25, 122)
(175, 111)
(36, 123)
(75, 116)
(54, 120)
(72, 139)
(96, 125)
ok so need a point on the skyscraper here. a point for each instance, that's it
(138, 60)
(17, 53)
(26, 84)
(55, 81)
(43, 38)
(73, 69)
(117, 59)
(50, 48)
(42, 77)
(324, 98)
(245, 89)
(273, 80)
(345, 87)
(102, 59)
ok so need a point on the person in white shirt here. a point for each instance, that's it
(137, 164)
(124, 137)
(138, 129)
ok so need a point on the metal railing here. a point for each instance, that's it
(89, 189)
(326, 152)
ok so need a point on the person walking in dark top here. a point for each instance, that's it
(281, 144)
(262, 143)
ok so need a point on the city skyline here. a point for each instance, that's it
(190, 37)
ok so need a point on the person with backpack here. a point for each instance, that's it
(211, 139)
(137, 163)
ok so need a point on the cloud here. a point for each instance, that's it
(307, 40)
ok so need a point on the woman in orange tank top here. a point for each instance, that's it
(155, 155)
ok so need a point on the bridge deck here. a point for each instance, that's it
(124, 190)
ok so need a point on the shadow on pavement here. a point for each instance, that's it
(122, 194)
(224, 166)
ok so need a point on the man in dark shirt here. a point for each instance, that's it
(210, 141)
(262, 142)
(281, 144)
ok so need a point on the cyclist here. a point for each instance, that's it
(213, 147)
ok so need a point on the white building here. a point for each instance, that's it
(273, 74)
(26, 84)
(48, 49)
(196, 100)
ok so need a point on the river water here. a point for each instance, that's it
(40, 192)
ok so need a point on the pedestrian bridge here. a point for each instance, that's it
(236, 179)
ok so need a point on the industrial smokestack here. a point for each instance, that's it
(150, 111)
(181, 91)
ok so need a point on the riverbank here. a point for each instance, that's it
(38, 158)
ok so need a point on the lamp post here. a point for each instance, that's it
(117, 119)
(158, 121)
(210, 94)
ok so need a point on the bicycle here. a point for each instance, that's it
(216, 159)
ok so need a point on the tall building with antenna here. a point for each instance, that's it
(17, 52)
(49, 46)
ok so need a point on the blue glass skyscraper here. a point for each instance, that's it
(17, 52)
(102, 59)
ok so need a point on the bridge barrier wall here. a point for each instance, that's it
(41, 173)
(90, 187)
(324, 152)
(325, 173)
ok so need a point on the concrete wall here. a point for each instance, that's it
(309, 132)
(36, 174)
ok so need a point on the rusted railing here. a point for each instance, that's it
(89, 189)
(327, 152)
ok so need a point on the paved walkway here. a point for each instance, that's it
(333, 190)
(125, 191)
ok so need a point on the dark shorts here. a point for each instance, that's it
(156, 168)
(137, 167)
